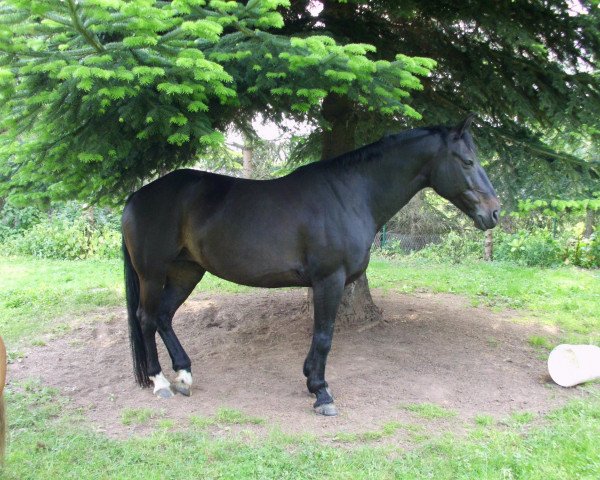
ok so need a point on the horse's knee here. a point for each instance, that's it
(307, 368)
(322, 343)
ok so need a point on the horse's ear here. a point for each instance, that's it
(462, 127)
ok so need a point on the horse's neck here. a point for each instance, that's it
(394, 179)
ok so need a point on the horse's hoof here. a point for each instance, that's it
(164, 393)
(182, 388)
(327, 409)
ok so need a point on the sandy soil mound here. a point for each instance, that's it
(247, 352)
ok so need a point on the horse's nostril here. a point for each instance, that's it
(495, 215)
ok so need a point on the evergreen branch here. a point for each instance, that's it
(58, 19)
(548, 153)
(176, 32)
(237, 24)
(89, 37)
(245, 30)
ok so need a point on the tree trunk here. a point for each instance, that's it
(247, 157)
(357, 304)
(488, 254)
(589, 223)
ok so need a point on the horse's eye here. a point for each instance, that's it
(466, 161)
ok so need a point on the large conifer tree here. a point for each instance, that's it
(100, 94)
(529, 68)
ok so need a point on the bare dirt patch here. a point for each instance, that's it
(247, 352)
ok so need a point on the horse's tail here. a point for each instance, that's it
(136, 337)
(2, 407)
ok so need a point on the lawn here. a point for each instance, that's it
(49, 439)
(566, 297)
(40, 296)
(46, 444)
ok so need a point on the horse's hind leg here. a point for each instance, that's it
(151, 288)
(182, 277)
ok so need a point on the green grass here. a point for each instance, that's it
(40, 296)
(567, 297)
(429, 411)
(46, 444)
(35, 294)
(484, 420)
(540, 342)
(387, 430)
(49, 438)
(137, 416)
(231, 416)
(225, 416)
(521, 418)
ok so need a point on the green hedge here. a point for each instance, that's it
(530, 248)
(70, 231)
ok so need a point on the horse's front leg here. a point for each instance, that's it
(327, 294)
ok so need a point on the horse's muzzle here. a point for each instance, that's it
(487, 214)
(486, 222)
(484, 210)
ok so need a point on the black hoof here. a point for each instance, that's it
(327, 409)
(164, 393)
(183, 389)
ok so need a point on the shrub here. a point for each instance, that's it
(69, 232)
(14, 220)
(584, 252)
(391, 248)
(537, 248)
(454, 247)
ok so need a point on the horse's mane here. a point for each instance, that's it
(372, 152)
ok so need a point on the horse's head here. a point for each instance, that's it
(457, 176)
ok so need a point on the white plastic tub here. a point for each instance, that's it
(571, 365)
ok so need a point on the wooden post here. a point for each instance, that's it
(488, 253)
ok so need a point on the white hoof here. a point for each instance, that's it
(162, 387)
(183, 383)
(164, 393)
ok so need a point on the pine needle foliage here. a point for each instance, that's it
(528, 68)
(99, 95)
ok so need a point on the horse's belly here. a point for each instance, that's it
(255, 267)
(265, 280)
(260, 277)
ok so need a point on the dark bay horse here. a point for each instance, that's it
(311, 228)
